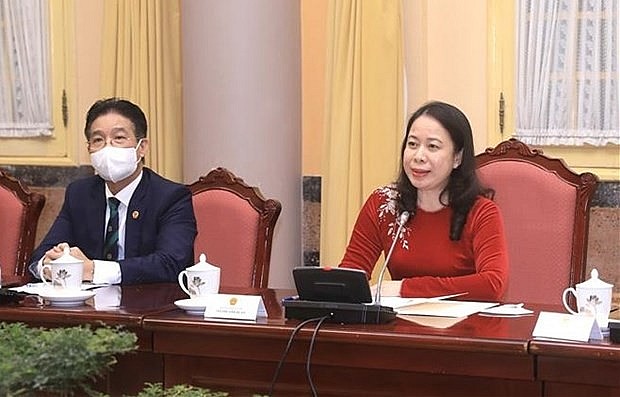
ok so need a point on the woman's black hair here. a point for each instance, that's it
(463, 186)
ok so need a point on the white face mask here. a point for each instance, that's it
(115, 163)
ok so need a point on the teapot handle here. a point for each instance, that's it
(565, 299)
(182, 283)
(42, 273)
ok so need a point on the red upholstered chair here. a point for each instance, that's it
(545, 207)
(235, 227)
(19, 215)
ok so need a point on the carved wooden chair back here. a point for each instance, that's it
(235, 227)
(545, 207)
(20, 210)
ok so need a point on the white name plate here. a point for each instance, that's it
(567, 327)
(234, 307)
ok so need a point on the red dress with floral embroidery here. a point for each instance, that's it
(425, 258)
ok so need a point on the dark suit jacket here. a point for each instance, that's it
(160, 227)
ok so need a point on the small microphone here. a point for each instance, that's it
(402, 219)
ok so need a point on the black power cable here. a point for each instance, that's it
(310, 349)
(288, 347)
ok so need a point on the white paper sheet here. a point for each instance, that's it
(396, 301)
(444, 308)
(563, 326)
(432, 321)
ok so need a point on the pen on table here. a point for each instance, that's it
(438, 298)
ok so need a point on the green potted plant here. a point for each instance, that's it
(66, 361)
(57, 361)
(157, 390)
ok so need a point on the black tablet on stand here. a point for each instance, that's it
(340, 293)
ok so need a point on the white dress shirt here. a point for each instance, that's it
(109, 272)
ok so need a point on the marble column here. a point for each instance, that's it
(242, 105)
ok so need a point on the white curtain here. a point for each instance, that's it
(567, 83)
(25, 109)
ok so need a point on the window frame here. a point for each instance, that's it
(61, 148)
(604, 161)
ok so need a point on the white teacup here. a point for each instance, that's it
(202, 279)
(593, 298)
(66, 272)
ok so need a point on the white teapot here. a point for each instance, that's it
(593, 298)
(202, 279)
(66, 271)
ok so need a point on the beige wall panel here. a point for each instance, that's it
(313, 54)
(89, 27)
(242, 106)
(457, 59)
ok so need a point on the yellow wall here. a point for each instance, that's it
(313, 53)
(446, 44)
(89, 27)
(76, 59)
(447, 60)
(447, 55)
(456, 52)
(89, 20)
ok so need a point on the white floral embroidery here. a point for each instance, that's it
(388, 206)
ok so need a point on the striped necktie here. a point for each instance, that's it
(110, 248)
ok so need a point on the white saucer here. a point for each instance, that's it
(66, 298)
(194, 306)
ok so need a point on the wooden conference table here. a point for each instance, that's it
(136, 302)
(479, 356)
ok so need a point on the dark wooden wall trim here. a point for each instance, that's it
(607, 195)
(47, 176)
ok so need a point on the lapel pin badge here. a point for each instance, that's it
(135, 214)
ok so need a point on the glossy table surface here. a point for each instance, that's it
(479, 353)
(131, 305)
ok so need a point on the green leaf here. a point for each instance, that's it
(58, 360)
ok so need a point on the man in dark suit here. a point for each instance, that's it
(128, 224)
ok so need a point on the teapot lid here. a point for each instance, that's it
(66, 257)
(594, 281)
(202, 265)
